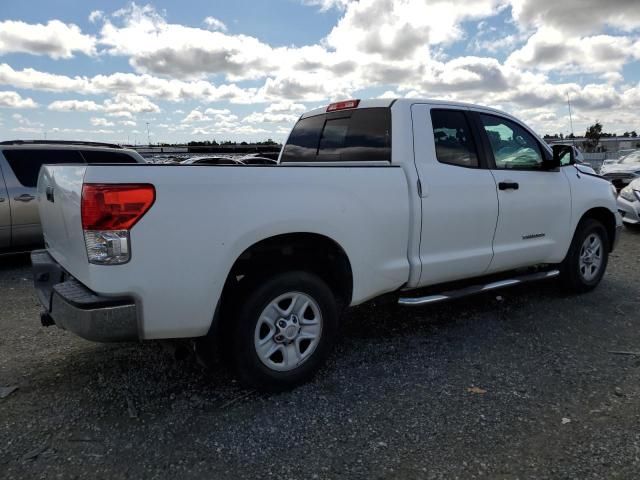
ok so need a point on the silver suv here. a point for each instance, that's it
(20, 162)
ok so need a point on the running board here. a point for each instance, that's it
(474, 289)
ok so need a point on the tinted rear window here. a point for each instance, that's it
(98, 156)
(26, 163)
(352, 135)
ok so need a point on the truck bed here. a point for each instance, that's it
(204, 217)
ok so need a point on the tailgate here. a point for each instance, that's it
(59, 195)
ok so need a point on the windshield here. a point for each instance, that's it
(631, 158)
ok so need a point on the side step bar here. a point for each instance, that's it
(474, 289)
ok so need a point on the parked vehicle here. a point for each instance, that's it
(210, 161)
(624, 171)
(244, 160)
(20, 162)
(368, 198)
(629, 203)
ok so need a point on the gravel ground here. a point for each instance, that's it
(520, 385)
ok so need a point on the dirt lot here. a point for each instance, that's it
(519, 386)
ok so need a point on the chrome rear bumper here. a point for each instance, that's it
(74, 307)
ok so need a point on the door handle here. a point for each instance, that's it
(25, 197)
(508, 186)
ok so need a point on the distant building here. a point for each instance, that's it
(606, 144)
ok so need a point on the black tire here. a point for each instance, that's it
(251, 370)
(572, 277)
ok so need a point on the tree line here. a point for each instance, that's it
(592, 137)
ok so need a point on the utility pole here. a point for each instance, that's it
(573, 137)
(148, 137)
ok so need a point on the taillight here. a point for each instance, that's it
(344, 105)
(109, 211)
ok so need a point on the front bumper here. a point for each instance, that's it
(74, 307)
(630, 211)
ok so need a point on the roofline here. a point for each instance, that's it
(60, 142)
(389, 102)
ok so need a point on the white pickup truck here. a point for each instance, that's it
(424, 200)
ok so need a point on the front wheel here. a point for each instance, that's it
(586, 261)
(283, 331)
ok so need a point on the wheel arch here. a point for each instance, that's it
(604, 216)
(312, 252)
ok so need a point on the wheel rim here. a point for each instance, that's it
(288, 331)
(591, 254)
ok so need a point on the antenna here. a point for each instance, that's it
(573, 137)
(148, 140)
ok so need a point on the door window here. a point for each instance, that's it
(513, 147)
(452, 137)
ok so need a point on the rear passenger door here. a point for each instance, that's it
(458, 195)
(21, 177)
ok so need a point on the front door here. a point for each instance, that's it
(535, 204)
(458, 195)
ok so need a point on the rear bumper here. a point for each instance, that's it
(74, 307)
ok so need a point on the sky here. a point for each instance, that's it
(172, 71)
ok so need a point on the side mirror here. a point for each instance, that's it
(562, 155)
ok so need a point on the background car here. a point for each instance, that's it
(20, 163)
(624, 171)
(629, 204)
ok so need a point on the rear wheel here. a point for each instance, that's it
(283, 331)
(586, 261)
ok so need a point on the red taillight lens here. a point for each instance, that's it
(115, 207)
(343, 105)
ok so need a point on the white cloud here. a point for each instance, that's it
(74, 106)
(122, 105)
(129, 83)
(257, 117)
(285, 106)
(55, 39)
(551, 49)
(96, 15)
(215, 24)
(328, 4)
(14, 100)
(210, 115)
(25, 122)
(195, 116)
(155, 46)
(101, 122)
(577, 16)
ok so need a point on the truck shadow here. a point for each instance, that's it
(10, 261)
(147, 381)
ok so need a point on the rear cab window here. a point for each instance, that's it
(359, 135)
